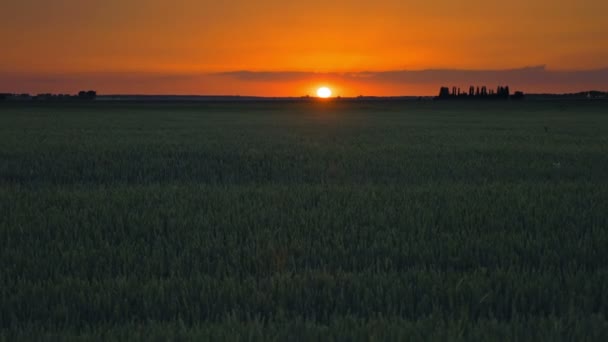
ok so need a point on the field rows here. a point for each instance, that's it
(293, 221)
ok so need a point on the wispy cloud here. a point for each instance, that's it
(288, 83)
(536, 75)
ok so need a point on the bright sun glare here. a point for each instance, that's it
(324, 92)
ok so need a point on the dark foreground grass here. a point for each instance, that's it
(304, 221)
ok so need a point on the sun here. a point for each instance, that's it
(323, 92)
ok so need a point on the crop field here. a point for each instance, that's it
(312, 220)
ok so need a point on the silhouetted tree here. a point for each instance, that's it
(87, 95)
(444, 92)
(45, 96)
(501, 92)
(518, 95)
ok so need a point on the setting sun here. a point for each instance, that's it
(323, 92)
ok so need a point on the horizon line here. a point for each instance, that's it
(160, 95)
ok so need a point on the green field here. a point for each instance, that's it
(304, 221)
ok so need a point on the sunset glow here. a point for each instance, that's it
(152, 46)
(323, 92)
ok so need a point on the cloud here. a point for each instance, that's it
(535, 75)
(293, 83)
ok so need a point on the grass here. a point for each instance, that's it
(322, 220)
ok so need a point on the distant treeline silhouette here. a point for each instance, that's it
(82, 95)
(479, 93)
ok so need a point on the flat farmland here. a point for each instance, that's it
(378, 220)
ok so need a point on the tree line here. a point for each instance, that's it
(82, 95)
(477, 92)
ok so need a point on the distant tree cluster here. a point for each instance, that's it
(82, 95)
(87, 95)
(15, 97)
(476, 92)
(48, 96)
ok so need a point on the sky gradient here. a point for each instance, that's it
(289, 48)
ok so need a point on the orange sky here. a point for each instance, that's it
(120, 44)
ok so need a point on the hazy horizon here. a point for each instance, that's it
(278, 48)
(247, 83)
